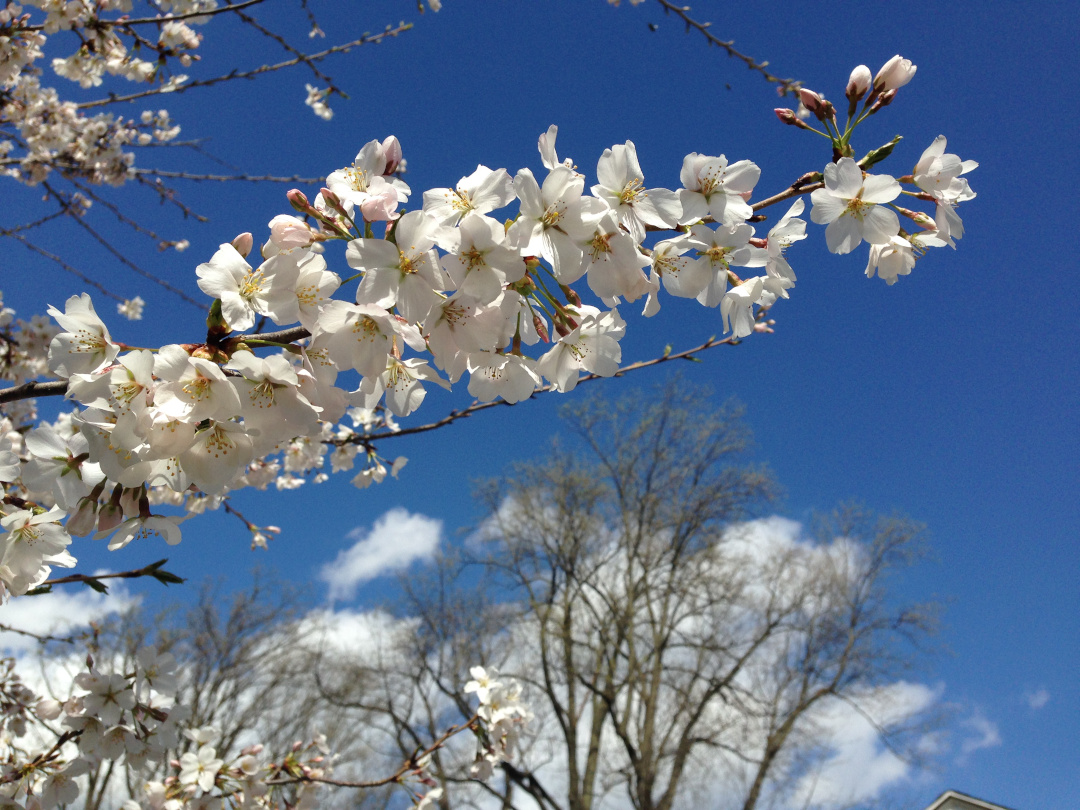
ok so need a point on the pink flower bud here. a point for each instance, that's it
(884, 100)
(392, 149)
(858, 84)
(243, 243)
(894, 74)
(789, 117)
(811, 100)
(289, 232)
(298, 200)
(380, 207)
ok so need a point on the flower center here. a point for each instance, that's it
(632, 192)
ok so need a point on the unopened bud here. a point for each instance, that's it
(788, 117)
(920, 218)
(289, 232)
(894, 74)
(884, 100)
(392, 149)
(858, 84)
(298, 200)
(331, 199)
(541, 328)
(811, 100)
(243, 243)
(571, 294)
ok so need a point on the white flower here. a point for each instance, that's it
(737, 308)
(245, 292)
(894, 74)
(85, 344)
(897, 257)
(551, 223)
(479, 262)
(406, 274)
(851, 207)
(622, 186)
(718, 249)
(593, 346)
(713, 188)
(200, 770)
(31, 541)
(132, 309)
(502, 375)
(938, 174)
(193, 389)
(316, 99)
(783, 234)
(481, 192)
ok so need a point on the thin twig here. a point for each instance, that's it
(249, 74)
(7, 628)
(411, 764)
(161, 20)
(249, 178)
(785, 86)
(64, 265)
(476, 407)
(124, 259)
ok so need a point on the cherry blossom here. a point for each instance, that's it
(850, 204)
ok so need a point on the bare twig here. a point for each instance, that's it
(163, 19)
(124, 259)
(784, 86)
(411, 764)
(246, 178)
(7, 628)
(65, 266)
(476, 407)
(367, 39)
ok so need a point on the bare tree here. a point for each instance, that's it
(661, 637)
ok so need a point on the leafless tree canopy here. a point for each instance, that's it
(660, 639)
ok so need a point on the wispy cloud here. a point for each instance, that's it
(983, 734)
(397, 539)
(1037, 699)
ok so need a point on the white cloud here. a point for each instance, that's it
(1037, 699)
(397, 539)
(984, 734)
(59, 613)
(859, 767)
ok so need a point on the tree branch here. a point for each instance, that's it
(784, 86)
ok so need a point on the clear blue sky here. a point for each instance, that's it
(951, 396)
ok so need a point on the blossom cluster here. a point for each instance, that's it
(502, 713)
(444, 291)
(43, 132)
(49, 746)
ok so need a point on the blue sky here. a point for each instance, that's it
(950, 396)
